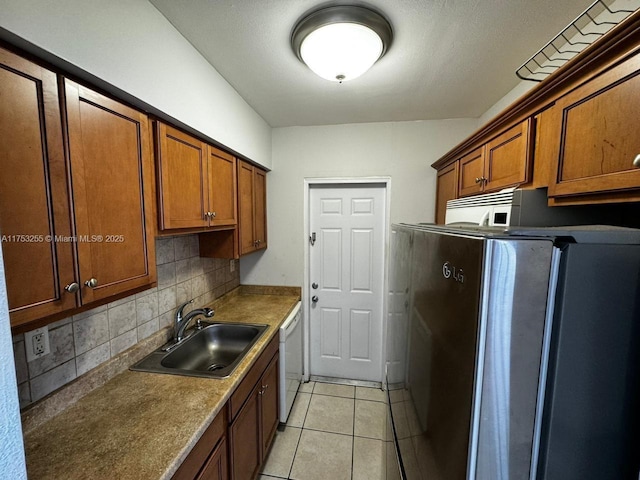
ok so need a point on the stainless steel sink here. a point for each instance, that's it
(215, 351)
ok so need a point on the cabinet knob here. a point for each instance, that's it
(72, 287)
(478, 179)
(91, 283)
(213, 214)
(636, 161)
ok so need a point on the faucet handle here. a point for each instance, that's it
(208, 312)
(181, 308)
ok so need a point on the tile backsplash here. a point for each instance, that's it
(88, 339)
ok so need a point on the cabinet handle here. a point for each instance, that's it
(91, 283)
(213, 214)
(478, 179)
(636, 161)
(72, 287)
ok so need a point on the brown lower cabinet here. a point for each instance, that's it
(252, 430)
(236, 448)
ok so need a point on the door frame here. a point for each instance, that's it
(310, 182)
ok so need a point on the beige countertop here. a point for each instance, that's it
(142, 425)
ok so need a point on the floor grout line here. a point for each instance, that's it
(302, 428)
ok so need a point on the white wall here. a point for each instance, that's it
(403, 151)
(129, 44)
(12, 464)
(517, 91)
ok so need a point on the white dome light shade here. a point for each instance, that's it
(341, 51)
(341, 42)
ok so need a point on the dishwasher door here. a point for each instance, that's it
(290, 361)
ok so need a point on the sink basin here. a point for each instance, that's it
(215, 351)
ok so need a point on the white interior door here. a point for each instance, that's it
(347, 280)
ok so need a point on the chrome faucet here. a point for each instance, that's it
(181, 322)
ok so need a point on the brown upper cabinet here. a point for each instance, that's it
(575, 132)
(33, 193)
(76, 229)
(471, 168)
(502, 162)
(196, 182)
(599, 135)
(252, 198)
(111, 174)
(447, 189)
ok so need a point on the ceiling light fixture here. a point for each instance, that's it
(342, 42)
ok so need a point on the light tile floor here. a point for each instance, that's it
(334, 432)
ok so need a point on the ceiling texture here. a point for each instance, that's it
(449, 58)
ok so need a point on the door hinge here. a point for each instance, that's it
(312, 239)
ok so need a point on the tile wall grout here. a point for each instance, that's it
(81, 342)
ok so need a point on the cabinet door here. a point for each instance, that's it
(600, 134)
(222, 187)
(269, 404)
(260, 207)
(246, 212)
(245, 439)
(112, 191)
(446, 189)
(34, 199)
(182, 179)
(216, 466)
(471, 172)
(507, 158)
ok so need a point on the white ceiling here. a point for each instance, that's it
(449, 58)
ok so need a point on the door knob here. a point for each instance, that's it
(91, 283)
(314, 285)
(72, 287)
(314, 299)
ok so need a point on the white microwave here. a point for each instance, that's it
(529, 208)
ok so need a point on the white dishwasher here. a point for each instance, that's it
(290, 360)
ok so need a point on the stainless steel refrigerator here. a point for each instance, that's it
(515, 354)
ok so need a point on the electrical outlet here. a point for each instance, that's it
(37, 343)
(232, 265)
